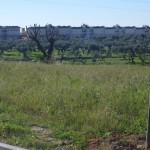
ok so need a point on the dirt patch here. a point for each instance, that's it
(45, 134)
(118, 142)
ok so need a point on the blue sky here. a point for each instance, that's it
(64, 12)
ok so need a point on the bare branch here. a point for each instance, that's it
(52, 36)
(34, 34)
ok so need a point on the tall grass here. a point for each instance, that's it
(76, 101)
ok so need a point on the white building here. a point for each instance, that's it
(110, 31)
(130, 30)
(146, 29)
(87, 32)
(9, 31)
(41, 30)
(139, 30)
(64, 30)
(76, 32)
(122, 31)
(99, 31)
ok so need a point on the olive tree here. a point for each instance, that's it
(51, 35)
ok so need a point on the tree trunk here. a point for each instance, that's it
(40, 47)
(51, 48)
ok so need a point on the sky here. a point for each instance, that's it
(74, 13)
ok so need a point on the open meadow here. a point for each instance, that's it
(46, 105)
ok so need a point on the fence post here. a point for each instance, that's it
(148, 129)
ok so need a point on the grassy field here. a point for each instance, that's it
(70, 102)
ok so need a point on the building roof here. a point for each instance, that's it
(9, 27)
(140, 28)
(130, 27)
(98, 27)
(36, 27)
(76, 27)
(110, 28)
(64, 26)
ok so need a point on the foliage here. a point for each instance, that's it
(128, 48)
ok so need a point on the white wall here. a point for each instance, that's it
(64, 31)
(111, 31)
(89, 33)
(99, 31)
(130, 30)
(11, 31)
(122, 31)
(139, 31)
(0, 31)
(76, 32)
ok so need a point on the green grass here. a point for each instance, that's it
(116, 58)
(76, 102)
(12, 55)
(15, 55)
